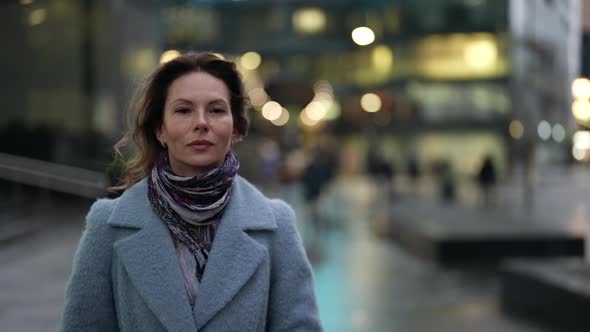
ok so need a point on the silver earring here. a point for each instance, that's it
(163, 145)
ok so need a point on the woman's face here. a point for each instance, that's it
(197, 126)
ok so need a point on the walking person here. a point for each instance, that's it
(316, 177)
(190, 245)
(487, 182)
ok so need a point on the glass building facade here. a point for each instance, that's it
(441, 71)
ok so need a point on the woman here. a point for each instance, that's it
(190, 245)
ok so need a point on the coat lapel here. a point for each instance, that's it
(150, 260)
(235, 256)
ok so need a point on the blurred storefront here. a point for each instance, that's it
(447, 81)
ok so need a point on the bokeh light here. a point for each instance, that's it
(303, 116)
(37, 16)
(258, 97)
(382, 58)
(334, 111)
(309, 20)
(481, 53)
(316, 111)
(283, 119)
(271, 110)
(363, 36)
(169, 55)
(578, 153)
(581, 110)
(581, 88)
(250, 60)
(581, 139)
(323, 86)
(371, 102)
(516, 129)
(544, 130)
(558, 133)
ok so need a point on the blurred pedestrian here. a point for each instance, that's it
(190, 245)
(269, 154)
(317, 174)
(290, 176)
(487, 181)
(382, 172)
(447, 185)
(413, 170)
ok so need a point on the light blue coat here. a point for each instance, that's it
(126, 275)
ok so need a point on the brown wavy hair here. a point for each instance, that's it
(146, 113)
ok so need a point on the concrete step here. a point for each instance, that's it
(553, 293)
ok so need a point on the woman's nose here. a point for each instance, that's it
(199, 121)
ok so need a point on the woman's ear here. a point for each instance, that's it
(235, 136)
(160, 136)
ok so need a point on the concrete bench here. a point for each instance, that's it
(455, 235)
(554, 293)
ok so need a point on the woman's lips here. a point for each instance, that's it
(200, 145)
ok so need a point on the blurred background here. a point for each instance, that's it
(436, 152)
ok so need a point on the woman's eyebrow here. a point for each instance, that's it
(218, 100)
(182, 100)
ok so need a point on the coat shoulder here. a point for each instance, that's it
(280, 208)
(282, 211)
(279, 214)
(100, 212)
(287, 234)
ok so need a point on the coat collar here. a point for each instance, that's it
(152, 264)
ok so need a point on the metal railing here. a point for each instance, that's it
(52, 176)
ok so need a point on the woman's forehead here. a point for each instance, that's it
(198, 86)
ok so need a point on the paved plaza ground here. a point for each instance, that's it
(364, 282)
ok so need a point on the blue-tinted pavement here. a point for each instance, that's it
(366, 283)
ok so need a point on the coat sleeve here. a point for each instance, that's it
(89, 304)
(292, 301)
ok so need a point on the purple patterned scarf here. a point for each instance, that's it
(191, 207)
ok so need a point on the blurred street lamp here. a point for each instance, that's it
(304, 117)
(271, 110)
(323, 86)
(334, 111)
(250, 60)
(581, 110)
(516, 129)
(309, 20)
(579, 154)
(363, 36)
(371, 102)
(558, 133)
(582, 139)
(382, 58)
(316, 111)
(258, 97)
(481, 53)
(581, 88)
(282, 119)
(544, 130)
(37, 16)
(581, 145)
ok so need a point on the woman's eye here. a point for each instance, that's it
(217, 110)
(182, 110)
